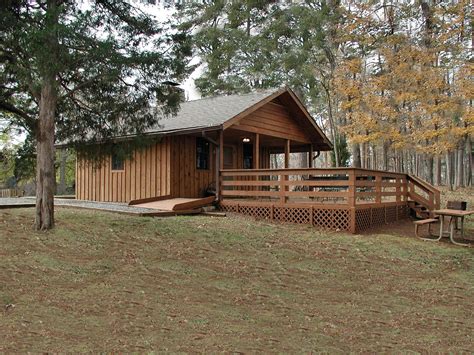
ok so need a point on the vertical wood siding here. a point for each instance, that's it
(166, 168)
(146, 175)
(275, 121)
(186, 180)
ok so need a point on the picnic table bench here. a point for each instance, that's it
(423, 222)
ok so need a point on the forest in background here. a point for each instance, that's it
(391, 82)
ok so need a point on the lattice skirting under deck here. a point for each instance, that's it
(335, 218)
(367, 217)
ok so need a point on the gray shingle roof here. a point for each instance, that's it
(212, 112)
(209, 112)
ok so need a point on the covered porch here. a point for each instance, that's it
(336, 198)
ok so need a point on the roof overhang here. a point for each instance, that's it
(286, 95)
(174, 132)
(319, 140)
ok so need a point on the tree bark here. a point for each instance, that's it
(385, 156)
(417, 165)
(469, 160)
(332, 125)
(356, 162)
(449, 171)
(438, 171)
(374, 161)
(429, 167)
(45, 174)
(362, 155)
(460, 165)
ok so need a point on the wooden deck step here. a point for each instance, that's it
(178, 204)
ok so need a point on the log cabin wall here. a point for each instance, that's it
(166, 168)
(146, 175)
(186, 179)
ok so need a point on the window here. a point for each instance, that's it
(248, 155)
(117, 162)
(202, 154)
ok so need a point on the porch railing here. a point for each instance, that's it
(423, 193)
(339, 186)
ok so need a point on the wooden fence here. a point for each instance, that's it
(339, 198)
(4, 193)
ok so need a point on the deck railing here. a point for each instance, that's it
(339, 198)
(347, 186)
(423, 193)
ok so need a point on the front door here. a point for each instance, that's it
(247, 155)
(229, 157)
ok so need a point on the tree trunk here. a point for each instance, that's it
(385, 156)
(356, 163)
(401, 166)
(332, 125)
(438, 171)
(417, 165)
(429, 168)
(460, 165)
(45, 174)
(469, 160)
(374, 157)
(449, 171)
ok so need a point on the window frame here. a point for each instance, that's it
(114, 156)
(204, 142)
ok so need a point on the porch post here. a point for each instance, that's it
(287, 154)
(256, 152)
(352, 199)
(220, 164)
(310, 157)
(284, 178)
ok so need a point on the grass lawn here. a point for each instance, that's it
(108, 282)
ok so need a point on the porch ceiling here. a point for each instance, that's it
(277, 145)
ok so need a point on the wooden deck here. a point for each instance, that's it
(340, 198)
(176, 204)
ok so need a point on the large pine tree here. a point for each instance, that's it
(82, 72)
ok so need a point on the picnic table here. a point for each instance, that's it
(453, 215)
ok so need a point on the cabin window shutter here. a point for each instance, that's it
(202, 154)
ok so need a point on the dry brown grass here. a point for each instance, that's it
(105, 282)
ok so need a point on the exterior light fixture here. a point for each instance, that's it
(245, 140)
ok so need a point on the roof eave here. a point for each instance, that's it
(172, 132)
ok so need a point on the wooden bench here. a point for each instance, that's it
(422, 222)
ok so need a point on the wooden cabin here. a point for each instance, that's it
(224, 144)
(184, 160)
